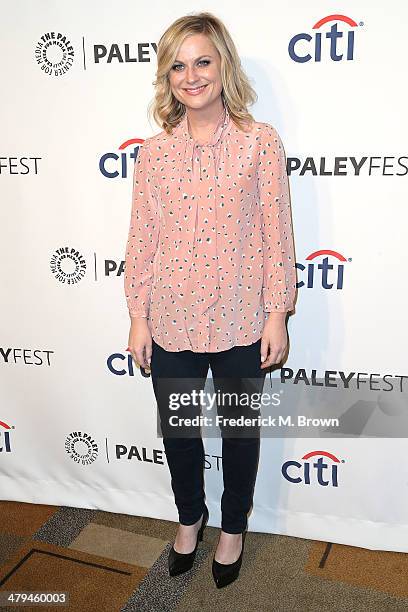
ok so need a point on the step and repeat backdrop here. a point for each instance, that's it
(78, 423)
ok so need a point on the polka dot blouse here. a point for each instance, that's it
(210, 250)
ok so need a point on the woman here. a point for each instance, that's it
(210, 267)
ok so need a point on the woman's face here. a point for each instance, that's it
(195, 77)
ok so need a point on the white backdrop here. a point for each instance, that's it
(78, 423)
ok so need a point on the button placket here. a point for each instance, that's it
(198, 190)
(207, 243)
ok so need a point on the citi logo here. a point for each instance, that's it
(327, 273)
(120, 164)
(5, 441)
(308, 472)
(306, 47)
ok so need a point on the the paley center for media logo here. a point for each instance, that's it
(54, 53)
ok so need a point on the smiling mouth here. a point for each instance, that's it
(195, 89)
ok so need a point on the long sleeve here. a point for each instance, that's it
(279, 281)
(143, 236)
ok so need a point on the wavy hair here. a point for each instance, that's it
(237, 92)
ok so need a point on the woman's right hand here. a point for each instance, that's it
(140, 342)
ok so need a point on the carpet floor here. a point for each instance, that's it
(110, 562)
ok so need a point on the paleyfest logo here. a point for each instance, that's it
(323, 472)
(54, 53)
(68, 265)
(306, 47)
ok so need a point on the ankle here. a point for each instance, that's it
(194, 525)
(228, 548)
(186, 537)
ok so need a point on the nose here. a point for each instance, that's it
(191, 76)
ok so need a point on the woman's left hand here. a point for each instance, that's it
(274, 339)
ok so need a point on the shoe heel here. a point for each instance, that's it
(203, 524)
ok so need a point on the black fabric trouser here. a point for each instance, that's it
(185, 455)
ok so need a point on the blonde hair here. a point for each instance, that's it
(237, 92)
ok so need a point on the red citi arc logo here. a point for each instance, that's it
(300, 45)
(5, 442)
(323, 273)
(128, 150)
(321, 472)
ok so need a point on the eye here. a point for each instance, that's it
(176, 67)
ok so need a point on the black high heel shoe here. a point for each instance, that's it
(182, 562)
(225, 573)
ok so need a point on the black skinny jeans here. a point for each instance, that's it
(185, 455)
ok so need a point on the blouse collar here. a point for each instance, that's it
(225, 123)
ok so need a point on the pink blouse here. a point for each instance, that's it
(210, 250)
